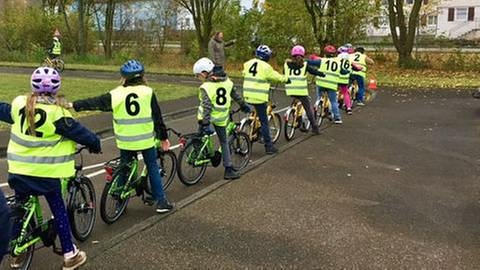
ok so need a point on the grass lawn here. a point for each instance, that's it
(12, 85)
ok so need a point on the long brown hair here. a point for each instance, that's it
(32, 100)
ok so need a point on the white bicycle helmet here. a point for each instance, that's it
(203, 64)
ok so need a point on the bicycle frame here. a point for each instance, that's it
(33, 210)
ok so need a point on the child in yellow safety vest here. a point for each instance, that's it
(216, 94)
(137, 122)
(41, 152)
(296, 69)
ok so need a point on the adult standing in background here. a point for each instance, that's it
(216, 50)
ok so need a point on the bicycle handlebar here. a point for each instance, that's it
(79, 150)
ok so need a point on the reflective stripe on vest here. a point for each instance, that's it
(45, 155)
(298, 85)
(345, 64)
(219, 94)
(331, 67)
(360, 59)
(255, 86)
(132, 117)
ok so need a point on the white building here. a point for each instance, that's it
(455, 19)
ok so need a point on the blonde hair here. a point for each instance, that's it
(32, 100)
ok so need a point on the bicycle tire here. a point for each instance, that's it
(240, 150)
(59, 65)
(246, 127)
(289, 127)
(167, 160)
(120, 205)
(275, 125)
(26, 263)
(44, 63)
(84, 205)
(188, 154)
(319, 113)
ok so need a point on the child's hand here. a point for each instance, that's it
(165, 145)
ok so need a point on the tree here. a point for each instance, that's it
(403, 27)
(202, 12)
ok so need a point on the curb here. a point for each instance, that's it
(151, 221)
(107, 131)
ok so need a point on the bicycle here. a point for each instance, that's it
(323, 109)
(55, 63)
(251, 124)
(199, 152)
(115, 198)
(295, 117)
(80, 197)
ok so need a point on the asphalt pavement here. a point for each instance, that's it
(395, 186)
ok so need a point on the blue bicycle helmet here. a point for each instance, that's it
(263, 52)
(132, 69)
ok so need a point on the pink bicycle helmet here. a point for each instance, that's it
(298, 51)
(45, 80)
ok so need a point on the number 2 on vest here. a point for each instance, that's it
(38, 123)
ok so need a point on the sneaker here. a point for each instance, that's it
(360, 104)
(148, 200)
(271, 150)
(17, 261)
(338, 121)
(349, 111)
(75, 261)
(231, 174)
(164, 206)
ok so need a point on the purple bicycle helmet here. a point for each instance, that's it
(45, 80)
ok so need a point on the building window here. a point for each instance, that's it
(432, 20)
(451, 14)
(461, 14)
(471, 14)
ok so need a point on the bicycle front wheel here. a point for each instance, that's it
(275, 125)
(290, 123)
(81, 208)
(190, 173)
(112, 205)
(240, 150)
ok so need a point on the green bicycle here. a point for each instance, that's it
(115, 197)
(199, 151)
(80, 198)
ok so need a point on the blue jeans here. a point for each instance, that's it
(25, 186)
(150, 160)
(222, 137)
(5, 226)
(361, 86)
(332, 96)
(261, 110)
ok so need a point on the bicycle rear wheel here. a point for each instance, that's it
(81, 208)
(275, 125)
(290, 125)
(240, 150)
(112, 205)
(189, 173)
(167, 160)
(58, 64)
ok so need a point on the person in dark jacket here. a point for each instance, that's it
(41, 152)
(137, 122)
